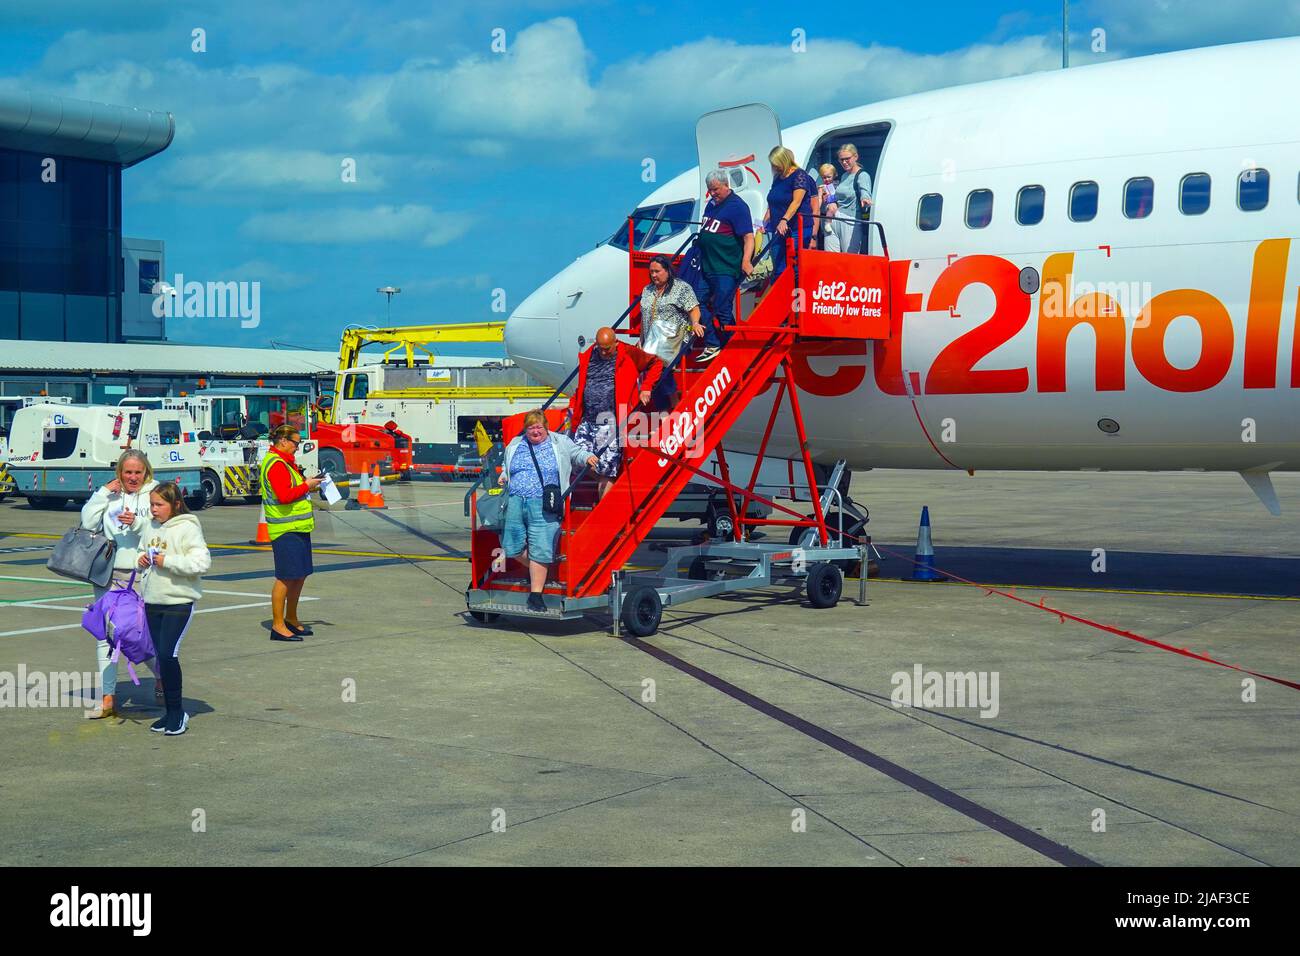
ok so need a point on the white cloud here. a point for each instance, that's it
(296, 170)
(1178, 24)
(410, 222)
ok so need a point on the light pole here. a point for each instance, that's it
(389, 291)
(1065, 34)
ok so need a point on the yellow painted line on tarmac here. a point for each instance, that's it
(267, 548)
(351, 554)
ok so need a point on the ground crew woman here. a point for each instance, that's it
(286, 496)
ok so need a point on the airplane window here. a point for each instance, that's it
(654, 224)
(979, 208)
(929, 212)
(670, 221)
(1252, 189)
(1083, 202)
(1194, 194)
(1139, 192)
(644, 222)
(1029, 205)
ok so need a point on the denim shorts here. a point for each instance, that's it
(526, 525)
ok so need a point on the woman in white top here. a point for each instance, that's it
(120, 510)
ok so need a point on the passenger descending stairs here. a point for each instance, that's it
(600, 541)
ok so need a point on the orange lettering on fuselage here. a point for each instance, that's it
(1264, 316)
(953, 371)
(1058, 316)
(1216, 340)
(887, 361)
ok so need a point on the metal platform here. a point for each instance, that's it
(711, 569)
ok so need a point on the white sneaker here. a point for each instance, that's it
(708, 355)
(185, 722)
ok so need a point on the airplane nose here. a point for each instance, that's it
(544, 334)
(532, 335)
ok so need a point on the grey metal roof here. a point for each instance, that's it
(41, 123)
(68, 357)
(21, 355)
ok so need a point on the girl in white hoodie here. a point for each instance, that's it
(120, 510)
(175, 555)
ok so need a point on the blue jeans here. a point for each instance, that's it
(778, 251)
(719, 309)
(528, 527)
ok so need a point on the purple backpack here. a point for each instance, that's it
(118, 617)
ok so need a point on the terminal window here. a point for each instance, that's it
(150, 273)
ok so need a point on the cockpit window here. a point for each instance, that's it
(654, 224)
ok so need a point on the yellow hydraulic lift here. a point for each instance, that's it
(410, 338)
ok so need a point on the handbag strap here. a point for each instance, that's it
(540, 477)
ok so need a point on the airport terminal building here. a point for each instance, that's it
(62, 263)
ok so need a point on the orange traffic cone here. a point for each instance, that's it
(377, 496)
(263, 533)
(363, 495)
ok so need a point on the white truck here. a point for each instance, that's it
(9, 404)
(437, 405)
(62, 453)
(230, 458)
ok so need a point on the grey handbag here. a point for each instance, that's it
(84, 556)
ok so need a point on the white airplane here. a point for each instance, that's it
(1091, 270)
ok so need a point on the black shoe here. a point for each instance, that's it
(535, 603)
(285, 637)
(159, 725)
(302, 630)
(178, 725)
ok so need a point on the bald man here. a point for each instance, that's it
(613, 378)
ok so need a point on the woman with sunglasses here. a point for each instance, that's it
(286, 496)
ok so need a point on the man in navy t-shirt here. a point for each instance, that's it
(726, 247)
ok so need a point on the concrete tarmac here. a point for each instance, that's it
(752, 729)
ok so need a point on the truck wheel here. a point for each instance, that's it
(824, 585)
(210, 486)
(721, 527)
(331, 460)
(47, 502)
(642, 610)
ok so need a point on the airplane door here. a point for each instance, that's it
(737, 141)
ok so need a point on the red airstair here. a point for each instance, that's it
(820, 295)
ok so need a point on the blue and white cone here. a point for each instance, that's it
(923, 569)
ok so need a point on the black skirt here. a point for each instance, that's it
(292, 552)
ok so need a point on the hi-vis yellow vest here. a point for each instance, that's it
(294, 516)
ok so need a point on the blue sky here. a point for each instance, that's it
(476, 169)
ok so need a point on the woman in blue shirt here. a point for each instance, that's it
(790, 197)
(534, 459)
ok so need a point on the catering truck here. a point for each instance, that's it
(438, 403)
(62, 453)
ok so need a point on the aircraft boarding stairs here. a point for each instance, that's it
(820, 295)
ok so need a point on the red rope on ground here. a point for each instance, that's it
(1065, 615)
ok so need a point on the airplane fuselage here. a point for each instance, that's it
(1145, 319)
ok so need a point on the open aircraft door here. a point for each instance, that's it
(737, 141)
